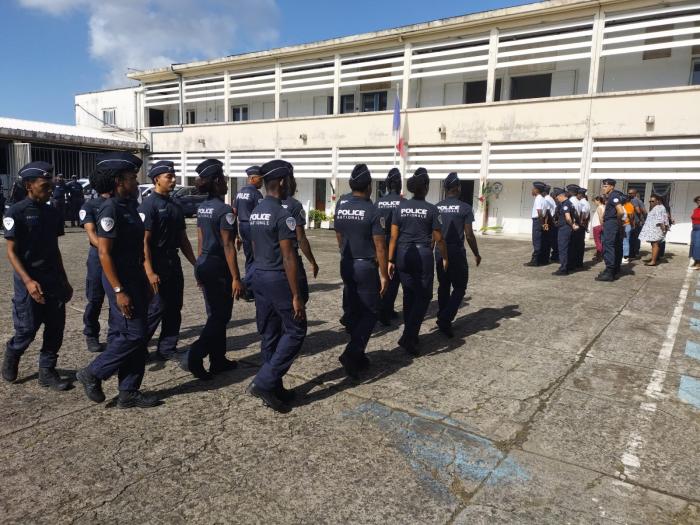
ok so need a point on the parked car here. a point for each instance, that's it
(189, 199)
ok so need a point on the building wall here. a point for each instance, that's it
(89, 107)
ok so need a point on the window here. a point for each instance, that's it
(375, 101)
(239, 113)
(347, 103)
(531, 86)
(475, 92)
(191, 116)
(695, 73)
(320, 194)
(658, 53)
(641, 188)
(156, 117)
(109, 117)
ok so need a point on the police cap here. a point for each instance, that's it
(119, 160)
(36, 170)
(572, 188)
(611, 182)
(540, 186)
(451, 181)
(253, 170)
(275, 169)
(210, 168)
(360, 176)
(394, 174)
(557, 191)
(160, 167)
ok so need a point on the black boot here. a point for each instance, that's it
(446, 328)
(605, 276)
(134, 398)
(285, 395)
(10, 366)
(194, 364)
(268, 398)
(91, 384)
(221, 365)
(94, 345)
(48, 377)
(410, 345)
(350, 367)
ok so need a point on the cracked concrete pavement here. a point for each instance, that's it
(529, 415)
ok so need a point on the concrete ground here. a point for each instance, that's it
(560, 400)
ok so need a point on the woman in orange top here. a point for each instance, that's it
(695, 235)
(628, 223)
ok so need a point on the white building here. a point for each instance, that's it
(561, 91)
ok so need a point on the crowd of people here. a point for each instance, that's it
(134, 262)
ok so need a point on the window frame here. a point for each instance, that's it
(240, 108)
(377, 100)
(113, 113)
(694, 62)
(189, 112)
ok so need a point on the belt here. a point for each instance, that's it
(416, 244)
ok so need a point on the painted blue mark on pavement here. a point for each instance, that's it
(697, 292)
(696, 306)
(692, 350)
(695, 324)
(689, 391)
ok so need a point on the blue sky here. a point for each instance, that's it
(52, 49)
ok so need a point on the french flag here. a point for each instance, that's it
(398, 139)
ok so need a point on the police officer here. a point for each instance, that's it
(216, 270)
(612, 230)
(457, 218)
(387, 205)
(552, 254)
(41, 288)
(567, 224)
(94, 291)
(120, 246)
(247, 198)
(58, 198)
(415, 226)
(360, 231)
(584, 216)
(75, 199)
(279, 301)
(578, 239)
(538, 215)
(164, 222)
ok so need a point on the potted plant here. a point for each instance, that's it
(315, 217)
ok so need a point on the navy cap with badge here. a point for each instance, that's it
(394, 174)
(420, 175)
(572, 188)
(540, 186)
(161, 167)
(252, 171)
(36, 170)
(275, 169)
(360, 176)
(609, 182)
(557, 191)
(210, 168)
(451, 181)
(119, 160)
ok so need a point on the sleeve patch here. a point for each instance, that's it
(439, 218)
(382, 222)
(616, 200)
(107, 224)
(8, 223)
(82, 214)
(291, 223)
(143, 216)
(230, 218)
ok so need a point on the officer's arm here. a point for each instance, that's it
(228, 239)
(471, 241)
(17, 265)
(147, 262)
(620, 209)
(91, 233)
(339, 238)
(440, 243)
(199, 242)
(289, 260)
(392, 242)
(305, 248)
(64, 277)
(186, 247)
(569, 220)
(380, 249)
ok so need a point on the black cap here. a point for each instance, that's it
(36, 170)
(451, 181)
(612, 182)
(547, 188)
(119, 160)
(361, 175)
(160, 167)
(275, 169)
(558, 191)
(539, 186)
(394, 174)
(210, 168)
(253, 170)
(572, 188)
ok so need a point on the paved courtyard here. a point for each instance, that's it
(560, 400)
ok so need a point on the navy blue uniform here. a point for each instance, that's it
(281, 334)
(75, 201)
(416, 220)
(58, 198)
(213, 273)
(357, 220)
(247, 198)
(452, 285)
(118, 219)
(612, 234)
(164, 218)
(94, 291)
(35, 228)
(296, 210)
(565, 232)
(387, 206)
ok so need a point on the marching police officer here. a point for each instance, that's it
(94, 291)
(539, 246)
(120, 234)
(612, 230)
(247, 198)
(360, 230)
(387, 205)
(58, 198)
(164, 222)
(415, 227)
(75, 199)
(216, 270)
(41, 288)
(279, 300)
(567, 224)
(457, 218)
(296, 210)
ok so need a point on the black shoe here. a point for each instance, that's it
(384, 319)
(134, 398)
(561, 272)
(48, 377)
(531, 263)
(394, 314)
(446, 328)
(10, 366)
(410, 345)
(268, 398)
(91, 384)
(364, 362)
(605, 277)
(287, 396)
(158, 357)
(351, 368)
(224, 365)
(94, 345)
(195, 366)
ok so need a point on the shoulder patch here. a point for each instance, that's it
(143, 216)
(566, 208)
(8, 223)
(230, 218)
(291, 223)
(82, 214)
(107, 224)
(440, 218)
(616, 200)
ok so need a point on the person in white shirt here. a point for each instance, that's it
(585, 214)
(538, 222)
(552, 252)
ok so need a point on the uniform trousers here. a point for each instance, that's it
(244, 229)
(554, 242)
(452, 284)
(281, 335)
(213, 274)
(564, 239)
(387, 302)
(612, 246)
(165, 308)
(125, 353)
(28, 316)
(538, 254)
(361, 294)
(94, 294)
(415, 264)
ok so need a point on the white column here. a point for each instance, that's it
(181, 101)
(183, 171)
(493, 60)
(227, 94)
(586, 159)
(227, 164)
(406, 86)
(278, 87)
(336, 86)
(596, 50)
(334, 173)
(483, 178)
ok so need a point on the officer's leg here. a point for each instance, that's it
(133, 340)
(444, 283)
(555, 243)
(244, 228)
(268, 322)
(94, 295)
(425, 289)
(458, 272)
(26, 318)
(221, 315)
(536, 241)
(54, 319)
(563, 238)
(365, 297)
(349, 300)
(408, 283)
(171, 293)
(618, 249)
(609, 238)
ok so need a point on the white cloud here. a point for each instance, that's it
(155, 33)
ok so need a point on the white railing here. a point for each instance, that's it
(239, 161)
(252, 83)
(450, 58)
(536, 160)
(162, 94)
(175, 157)
(441, 160)
(203, 88)
(648, 159)
(378, 160)
(194, 159)
(310, 163)
(372, 68)
(309, 76)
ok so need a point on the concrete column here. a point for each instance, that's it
(406, 86)
(183, 171)
(596, 50)
(278, 87)
(483, 178)
(181, 101)
(491, 71)
(227, 102)
(334, 174)
(336, 86)
(586, 159)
